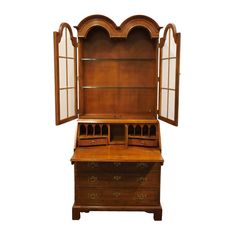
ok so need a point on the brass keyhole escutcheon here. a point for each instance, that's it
(117, 164)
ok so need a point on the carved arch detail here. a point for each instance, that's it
(115, 31)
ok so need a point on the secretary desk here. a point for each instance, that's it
(118, 81)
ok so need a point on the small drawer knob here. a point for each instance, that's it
(92, 141)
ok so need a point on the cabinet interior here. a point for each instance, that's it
(117, 135)
(118, 75)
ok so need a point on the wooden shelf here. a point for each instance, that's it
(117, 87)
(116, 153)
(117, 59)
(118, 121)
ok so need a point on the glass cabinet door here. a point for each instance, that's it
(65, 61)
(169, 75)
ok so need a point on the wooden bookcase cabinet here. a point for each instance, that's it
(117, 81)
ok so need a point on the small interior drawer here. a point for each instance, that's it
(142, 142)
(92, 142)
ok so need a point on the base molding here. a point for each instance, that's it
(77, 209)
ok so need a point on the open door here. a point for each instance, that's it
(169, 75)
(65, 64)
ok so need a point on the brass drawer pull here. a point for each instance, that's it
(92, 179)
(117, 164)
(116, 194)
(92, 141)
(142, 165)
(92, 196)
(93, 164)
(142, 142)
(141, 196)
(117, 177)
(141, 179)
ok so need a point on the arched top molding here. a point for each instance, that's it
(171, 27)
(115, 31)
(60, 33)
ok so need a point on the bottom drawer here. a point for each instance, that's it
(92, 196)
(142, 142)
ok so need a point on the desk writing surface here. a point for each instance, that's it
(118, 121)
(117, 153)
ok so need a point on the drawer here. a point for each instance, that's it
(142, 142)
(92, 142)
(126, 167)
(117, 196)
(128, 180)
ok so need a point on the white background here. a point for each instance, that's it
(198, 177)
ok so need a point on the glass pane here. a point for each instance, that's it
(172, 45)
(71, 102)
(159, 59)
(164, 102)
(63, 104)
(78, 94)
(70, 47)
(164, 81)
(62, 44)
(171, 106)
(158, 84)
(62, 72)
(71, 73)
(172, 73)
(165, 50)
